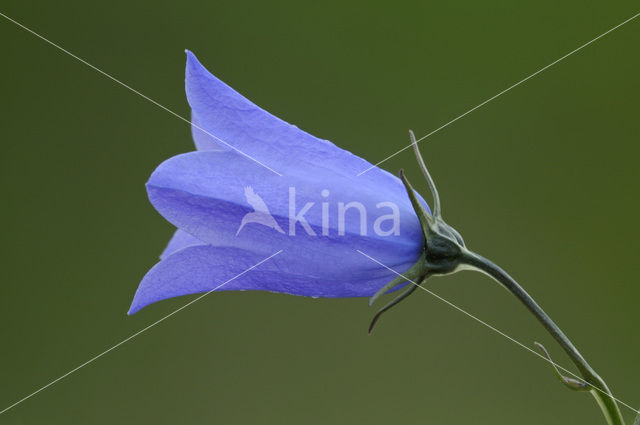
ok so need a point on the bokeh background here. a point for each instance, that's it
(544, 180)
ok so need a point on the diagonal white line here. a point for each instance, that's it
(505, 90)
(91, 360)
(498, 331)
(136, 92)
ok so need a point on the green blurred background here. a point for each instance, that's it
(544, 180)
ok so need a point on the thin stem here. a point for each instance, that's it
(601, 392)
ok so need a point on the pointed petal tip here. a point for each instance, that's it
(137, 304)
(193, 63)
(192, 59)
(133, 309)
(194, 67)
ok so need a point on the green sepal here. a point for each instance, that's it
(412, 287)
(412, 275)
(426, 220)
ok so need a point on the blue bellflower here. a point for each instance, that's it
(232, 212)
(314, 227)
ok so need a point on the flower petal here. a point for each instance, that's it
(255, 132)
(204, 194)
(202, 268)
(180, 240)
(202, 140)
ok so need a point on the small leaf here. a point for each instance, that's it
(571, 383)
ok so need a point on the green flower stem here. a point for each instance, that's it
(600, 390)
(445, 252)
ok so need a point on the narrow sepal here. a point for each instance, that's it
(423, 215)
(432, 185)
(412, 287)
(410, 275)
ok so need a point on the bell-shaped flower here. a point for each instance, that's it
(257, 186)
